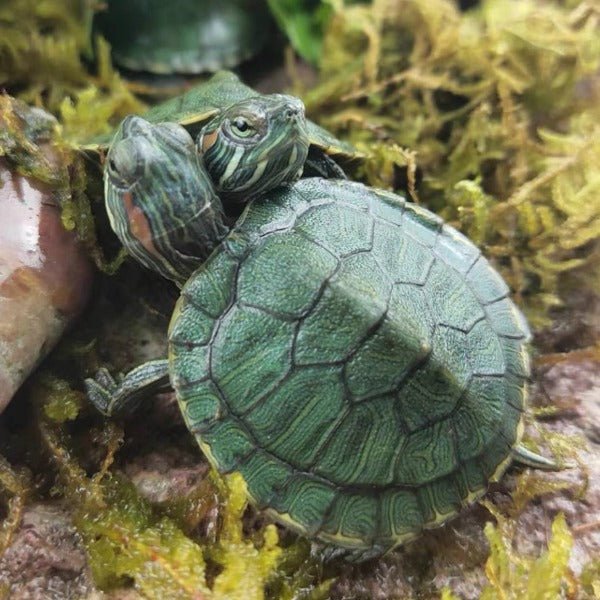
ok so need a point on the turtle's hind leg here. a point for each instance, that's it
(117, 398)
(527, 458)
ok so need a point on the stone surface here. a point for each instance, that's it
(45, 277)
(46, 559)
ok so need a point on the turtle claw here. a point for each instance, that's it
(100, 391)
(121, 396)
(106, 380)
(352, 555)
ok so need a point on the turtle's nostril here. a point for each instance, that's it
(293, 111)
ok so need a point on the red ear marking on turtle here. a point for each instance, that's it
(209, 139)
(138, 224)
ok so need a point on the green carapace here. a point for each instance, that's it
(188, 36)
(358, 361)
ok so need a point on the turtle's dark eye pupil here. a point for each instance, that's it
(112, 166)
(241, 124)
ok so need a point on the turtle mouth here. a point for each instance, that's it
(298, 122)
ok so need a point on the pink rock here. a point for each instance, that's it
(45, 277)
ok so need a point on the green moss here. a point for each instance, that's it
(129, 540)
(45, 50)
(62, 403)
(513, 576)
(40, 47)
(76, 214)
(246, 567)
(14, 488)
(126, 540)
(301, 574)
(590, 580)
(95, 108)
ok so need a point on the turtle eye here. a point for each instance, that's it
(125, 163)
(114, 171)
(242, 127)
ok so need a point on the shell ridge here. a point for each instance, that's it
(425, 277)
(268, 311)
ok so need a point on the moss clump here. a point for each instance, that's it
(14, 488)
(45, 55)
(514, 576)
(129, 540)
(246, 568)
(590, 580)
(126, 540)
(41, 43)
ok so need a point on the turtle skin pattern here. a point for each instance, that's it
(357, 360)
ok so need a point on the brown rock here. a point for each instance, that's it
(45, 276)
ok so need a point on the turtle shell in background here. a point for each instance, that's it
(188, 36)
(356, 359)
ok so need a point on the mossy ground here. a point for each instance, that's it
(489, 117)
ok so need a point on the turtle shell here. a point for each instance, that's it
(358, 361)
(192, 37)
(201, 103)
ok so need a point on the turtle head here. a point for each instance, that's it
(255, 145)
(159, 198)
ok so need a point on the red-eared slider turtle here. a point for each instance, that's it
(190, 36)
(254, 145)
(358, 361)
(203, 103)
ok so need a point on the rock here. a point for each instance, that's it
(45, 276)
(46, 559)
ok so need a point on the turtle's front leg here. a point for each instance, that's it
(117, 398)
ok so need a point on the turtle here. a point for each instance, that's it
(196, 108)
(253, 145)
(356, 359)
(199, 36)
